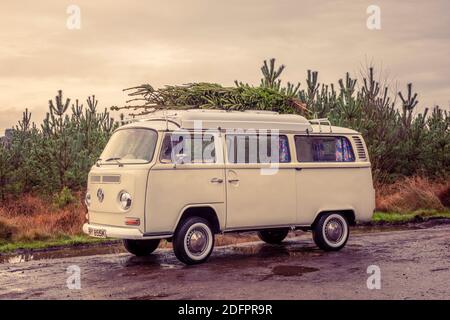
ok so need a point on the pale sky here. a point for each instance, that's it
(126, 43)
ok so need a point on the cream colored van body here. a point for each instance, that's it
(230, 196)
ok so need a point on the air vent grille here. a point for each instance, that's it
(360, 150)
(105, 179)
(111, 179)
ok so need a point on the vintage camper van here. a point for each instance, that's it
(187, 175)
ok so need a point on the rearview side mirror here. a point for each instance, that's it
(180, 158)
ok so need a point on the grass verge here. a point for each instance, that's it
(9, 246)
(394, 217)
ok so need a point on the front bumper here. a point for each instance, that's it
(123, 233)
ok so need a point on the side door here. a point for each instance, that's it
(259, 194)
(176, 183)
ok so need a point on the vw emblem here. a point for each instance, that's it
(100, 195)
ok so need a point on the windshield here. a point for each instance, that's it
(130, 146)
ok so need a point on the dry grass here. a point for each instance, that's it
(6, 229)
(411, 194)
(443, 194)
(32, 218)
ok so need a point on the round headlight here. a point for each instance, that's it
(87, 199)
(125, 200)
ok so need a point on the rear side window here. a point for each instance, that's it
(188, 148)
(323, 149)
(258, 149)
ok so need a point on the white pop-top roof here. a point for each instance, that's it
(215, 119)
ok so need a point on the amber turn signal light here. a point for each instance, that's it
(132, 221)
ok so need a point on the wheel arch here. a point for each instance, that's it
(204, 211)
(349, 214)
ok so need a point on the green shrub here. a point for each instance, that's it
(63, 198)
(59, 152)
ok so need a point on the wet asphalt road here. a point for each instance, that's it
(414, 264)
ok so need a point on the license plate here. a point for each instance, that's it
(97, 233)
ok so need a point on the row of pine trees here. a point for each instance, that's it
(401, 141)
(59, 153)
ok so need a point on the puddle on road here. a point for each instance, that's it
(261, 250)
(161, 261)
(66, 252)
(292, 271)
(288, 270)
(292, 248)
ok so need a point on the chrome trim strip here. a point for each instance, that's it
(256, 228)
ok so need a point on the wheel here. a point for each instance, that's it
(331, 232)
(141, 247)
(273, 236)
(193, 241)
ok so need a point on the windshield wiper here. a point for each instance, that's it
(116, 160)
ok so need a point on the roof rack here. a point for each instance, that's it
(321, 121)
(213, 119)
(157, 114)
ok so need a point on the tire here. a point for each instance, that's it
(331, 232)
(273, 236)
(141, 247)
(193, 229)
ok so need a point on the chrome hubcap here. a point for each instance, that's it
(334, 230)
(197, 241)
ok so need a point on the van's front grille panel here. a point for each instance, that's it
(111, 179)
(105, 179)
(360, 148)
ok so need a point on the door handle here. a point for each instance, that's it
(216, 180)
(233, 180)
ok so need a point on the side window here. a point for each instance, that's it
(188, 148)
(323, 149)
(257, 149)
